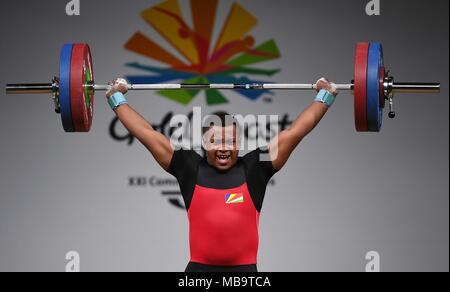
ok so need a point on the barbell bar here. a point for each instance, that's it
(49, 88)
(73, 91)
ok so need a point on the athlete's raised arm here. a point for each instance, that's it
(284, 144)
(158, 144)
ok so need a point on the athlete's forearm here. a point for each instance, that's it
(308, 120)
(132, 120)
(155, 142)
(285, 143)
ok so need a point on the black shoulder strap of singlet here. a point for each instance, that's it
(258, 173)
(184, 167)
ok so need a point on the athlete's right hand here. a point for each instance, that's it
(117, 85)
(324, 83)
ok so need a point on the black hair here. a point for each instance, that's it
(225, 119)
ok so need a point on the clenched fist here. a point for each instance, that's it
(323, 83)
(117, 85)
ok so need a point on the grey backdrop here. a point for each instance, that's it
(341, 195)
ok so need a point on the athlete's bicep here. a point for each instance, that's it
(159, 146)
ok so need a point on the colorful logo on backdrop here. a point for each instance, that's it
(229, 59)
(234, 198)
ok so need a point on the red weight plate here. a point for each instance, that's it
(360, 86)
(80, 102)
(382, 96)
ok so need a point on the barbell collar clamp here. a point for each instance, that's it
(55, 94)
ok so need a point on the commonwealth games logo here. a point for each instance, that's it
(228, 60)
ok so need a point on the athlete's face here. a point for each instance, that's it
(222, 147)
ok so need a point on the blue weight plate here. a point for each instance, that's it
(374, 67)
(64, 87)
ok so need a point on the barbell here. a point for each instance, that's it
(73, 92)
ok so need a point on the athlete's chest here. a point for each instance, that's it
(222, 195)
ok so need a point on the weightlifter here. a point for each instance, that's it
(223, 192)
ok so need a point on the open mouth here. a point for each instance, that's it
(223, 158)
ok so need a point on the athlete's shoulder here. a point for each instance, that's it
(257, 155)
(259, 170)
(259, 161)
(184, 159)
(188, 153)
